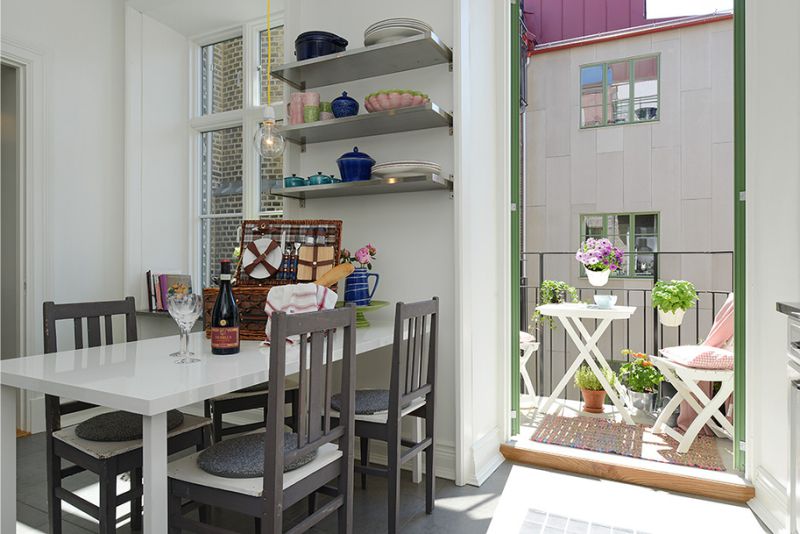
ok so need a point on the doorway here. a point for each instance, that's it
(11, 302)
(578, 187)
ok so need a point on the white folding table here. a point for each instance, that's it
(571, 316)
(142, 378)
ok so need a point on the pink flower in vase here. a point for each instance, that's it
(363, 256)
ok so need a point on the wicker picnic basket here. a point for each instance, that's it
(251, 293)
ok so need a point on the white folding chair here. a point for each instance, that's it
(528, 347)
(685, 380)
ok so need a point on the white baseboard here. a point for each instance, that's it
(771, 503)
(487, 457)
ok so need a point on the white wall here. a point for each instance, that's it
(680, 166)
(84, 56)
(157, 208)
(412, 232)
(773, 243)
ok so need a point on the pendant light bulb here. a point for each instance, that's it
(268, 142)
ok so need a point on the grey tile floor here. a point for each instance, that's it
(462, 510)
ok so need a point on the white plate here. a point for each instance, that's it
(405, 171)
(391, 34)
(407, 162)
(274, 258)
(391, 22)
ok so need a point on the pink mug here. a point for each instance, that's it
(311, 99)
(295, 108)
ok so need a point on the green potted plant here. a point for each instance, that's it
(553, 292)
(641, 379)
(672, 299)
(594, 395)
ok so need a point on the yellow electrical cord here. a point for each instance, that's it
(269, 54)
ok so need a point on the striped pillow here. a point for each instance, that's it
(700, 356)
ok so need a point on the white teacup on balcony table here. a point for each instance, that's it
(139, 377)
(570, 316)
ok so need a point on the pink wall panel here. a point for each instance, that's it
(556, 20)
(572, 19)
(595, 17)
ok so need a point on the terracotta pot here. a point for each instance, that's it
(593, 400)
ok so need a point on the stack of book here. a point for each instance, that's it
(161, 286)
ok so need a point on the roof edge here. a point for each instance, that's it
(625, 33)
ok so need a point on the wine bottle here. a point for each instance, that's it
(225, 316)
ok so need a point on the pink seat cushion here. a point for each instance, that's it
(700, 356)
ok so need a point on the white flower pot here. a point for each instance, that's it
(598, 278)
(673, 318)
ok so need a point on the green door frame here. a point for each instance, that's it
(739, 242)
(515, 207)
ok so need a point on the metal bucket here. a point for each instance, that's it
(643, 402)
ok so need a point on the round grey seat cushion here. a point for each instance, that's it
(120, 426)
(243, 457)
(368, 401)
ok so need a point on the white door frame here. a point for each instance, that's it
(35, 260)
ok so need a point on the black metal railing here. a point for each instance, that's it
(711, 272)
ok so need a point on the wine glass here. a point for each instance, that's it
(185, 309)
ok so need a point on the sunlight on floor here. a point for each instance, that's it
(539, 501)
(91, 493)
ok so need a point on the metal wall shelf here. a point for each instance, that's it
(416, 52)
(378, 123)
(374, 186)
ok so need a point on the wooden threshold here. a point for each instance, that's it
(22, 433)
(703, 483)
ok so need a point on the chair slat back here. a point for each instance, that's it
(90, 312)
(416, 336)
(319, 334)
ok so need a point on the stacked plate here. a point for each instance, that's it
(406, 168)
(388, 30)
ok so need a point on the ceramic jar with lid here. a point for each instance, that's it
(344, 106)
(355, 166)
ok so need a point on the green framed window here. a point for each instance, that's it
(635, 233)
(624, 91)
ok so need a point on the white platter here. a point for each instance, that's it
(393, 33)
(274, 258)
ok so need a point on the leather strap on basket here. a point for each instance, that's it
(315, 263)
(261, 258)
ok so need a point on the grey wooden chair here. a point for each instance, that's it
(264, 473)
(107, 456)
(379, 413)
(252, 398)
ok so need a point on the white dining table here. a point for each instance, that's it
(142, 378)
(571, 316)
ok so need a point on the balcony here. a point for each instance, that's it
(712, 273)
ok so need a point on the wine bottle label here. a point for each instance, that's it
(225, 277)
(224, 337)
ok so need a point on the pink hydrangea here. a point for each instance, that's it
(363, 256)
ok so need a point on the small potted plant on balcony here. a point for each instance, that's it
(672, 299)
(553, 292)
(641, 379)
(594, 395)
(599, 258)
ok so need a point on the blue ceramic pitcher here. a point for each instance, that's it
(356, 287)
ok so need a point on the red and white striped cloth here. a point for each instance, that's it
(298, 298)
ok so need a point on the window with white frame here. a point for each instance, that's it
(233, 182)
